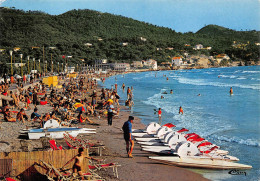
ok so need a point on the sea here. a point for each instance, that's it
(229, 121)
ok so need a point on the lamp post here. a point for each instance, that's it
(34, 64)
(45, 67)
(39, 65)
(62, 67)
(52, 66)
(58, 68)
(21, 56)
(11, 54)
(28, 58)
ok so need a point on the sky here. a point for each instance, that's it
(179, 15)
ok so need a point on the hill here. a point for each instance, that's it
(90, 35)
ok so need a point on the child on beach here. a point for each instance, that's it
(77, 166)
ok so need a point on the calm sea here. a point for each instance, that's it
(230, 121)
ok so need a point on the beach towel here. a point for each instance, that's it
(43, 102)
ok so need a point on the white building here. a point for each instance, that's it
(124, 44)
(88, 44)
(69, 69)
(137, 64)
(120, 66)
(151, 64)
(198, 47)
(221, 57)
(143, 39)
(177, 61)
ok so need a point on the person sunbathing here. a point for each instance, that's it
(35, 115)
(82, 119)
(8, 117)
(21, 116)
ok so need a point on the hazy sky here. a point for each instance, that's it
(180, 15)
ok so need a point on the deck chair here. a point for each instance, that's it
(78, 142)
(73, 143)
(105, 166)
(67, 176)
(70, 144)
(54, 145)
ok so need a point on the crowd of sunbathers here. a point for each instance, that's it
(78, 96)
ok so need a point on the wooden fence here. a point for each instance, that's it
(25, 164)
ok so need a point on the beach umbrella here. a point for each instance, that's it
(82, 108)
(77, 105)
(110, 100)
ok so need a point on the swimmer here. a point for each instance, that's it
(167, 78)
(162, 97)
(171, 92)
(180, 110)
(231, 90)
(199, 95)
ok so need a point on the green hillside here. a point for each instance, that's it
(105, 32)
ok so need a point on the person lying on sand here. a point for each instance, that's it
(8, 117)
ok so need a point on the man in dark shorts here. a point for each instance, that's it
(127, 128)
(35, 115)
(78, 164)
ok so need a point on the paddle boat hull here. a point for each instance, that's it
(56, 133)
(201, 162)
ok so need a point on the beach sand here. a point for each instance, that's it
(137, 168)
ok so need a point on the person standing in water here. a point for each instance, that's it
(116, 87)
(180, 110)
(231, 91)
(123, 86)
(160, 115)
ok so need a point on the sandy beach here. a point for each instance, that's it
(137, 168)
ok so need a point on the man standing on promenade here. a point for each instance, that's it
(127, 128)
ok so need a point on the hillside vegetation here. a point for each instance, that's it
(106, 33)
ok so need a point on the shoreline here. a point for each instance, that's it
(134, 169)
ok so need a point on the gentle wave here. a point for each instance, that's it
(227, 76)
(216, 84)
(137, 78)
(241, 78)
(249, 142)
(254, 72)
